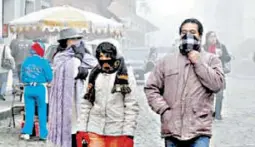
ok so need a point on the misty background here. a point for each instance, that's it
(157, 26)
(233, 21)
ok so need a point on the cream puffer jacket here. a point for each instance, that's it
(112, 114)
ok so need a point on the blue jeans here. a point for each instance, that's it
(202, 141)
(35, 94)
(3, 82)
(218, 104)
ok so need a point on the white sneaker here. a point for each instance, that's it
(25, 136)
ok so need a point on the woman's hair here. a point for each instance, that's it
(207, 36)
(63, 43)
(62, 46)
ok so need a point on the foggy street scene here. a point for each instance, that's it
(127, 73)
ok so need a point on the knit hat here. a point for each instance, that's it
(38, 48)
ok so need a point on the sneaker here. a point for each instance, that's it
(24, 136)
(218, 118)
(42, 139)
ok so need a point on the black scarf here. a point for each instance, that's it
(121, 81)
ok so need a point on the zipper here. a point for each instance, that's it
(183, 104)
(106, 99)
(105, 115)
(88, 119)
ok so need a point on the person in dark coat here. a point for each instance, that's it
(213, 45)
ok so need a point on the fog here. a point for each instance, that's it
(233, 20)
(145, 31)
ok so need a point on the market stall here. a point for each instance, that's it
(48, 22)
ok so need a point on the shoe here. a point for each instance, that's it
(42, 139)
(36, 139)
(2, 98)
(25, 137)
(218, 118)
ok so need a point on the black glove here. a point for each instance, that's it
(79, 51)
(131, 137)
(82, 73)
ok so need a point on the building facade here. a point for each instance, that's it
(96, 6)
(123, 11)
(12, 9)
(136, 26)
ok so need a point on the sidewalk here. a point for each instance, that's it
(5, 107)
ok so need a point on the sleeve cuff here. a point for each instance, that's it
(128, 133)
(164, 109)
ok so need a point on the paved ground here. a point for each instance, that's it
(236, 130)
(238, 127)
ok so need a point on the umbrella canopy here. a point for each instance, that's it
(57, 18)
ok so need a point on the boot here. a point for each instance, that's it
(2, 98)
(74, 143)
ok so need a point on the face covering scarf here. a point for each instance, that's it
(108, 63)
(189, 42)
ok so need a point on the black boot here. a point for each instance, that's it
(74, 143)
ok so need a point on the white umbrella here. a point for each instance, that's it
(57, 18)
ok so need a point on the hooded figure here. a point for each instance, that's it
(71, 63)
(110, 109)
(35, 72)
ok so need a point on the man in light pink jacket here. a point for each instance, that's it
(181, 89)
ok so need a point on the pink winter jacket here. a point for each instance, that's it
(187, 90)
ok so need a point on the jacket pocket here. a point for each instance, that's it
(96, 110)
(166, 121)
(171, 77)
(171, 72)
(203, 115)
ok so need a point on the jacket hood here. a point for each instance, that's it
(38, 48)
(110, 40)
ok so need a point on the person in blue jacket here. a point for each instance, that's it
(35, 73)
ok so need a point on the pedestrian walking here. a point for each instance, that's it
(20, 50)
(150, 62)
(35, 72)
(214, 46)
(70, 65)
(7, 63)
(148, 69)
(153, 54)
(110, 109)
(181, 90)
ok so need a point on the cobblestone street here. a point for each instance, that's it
(237, 129)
